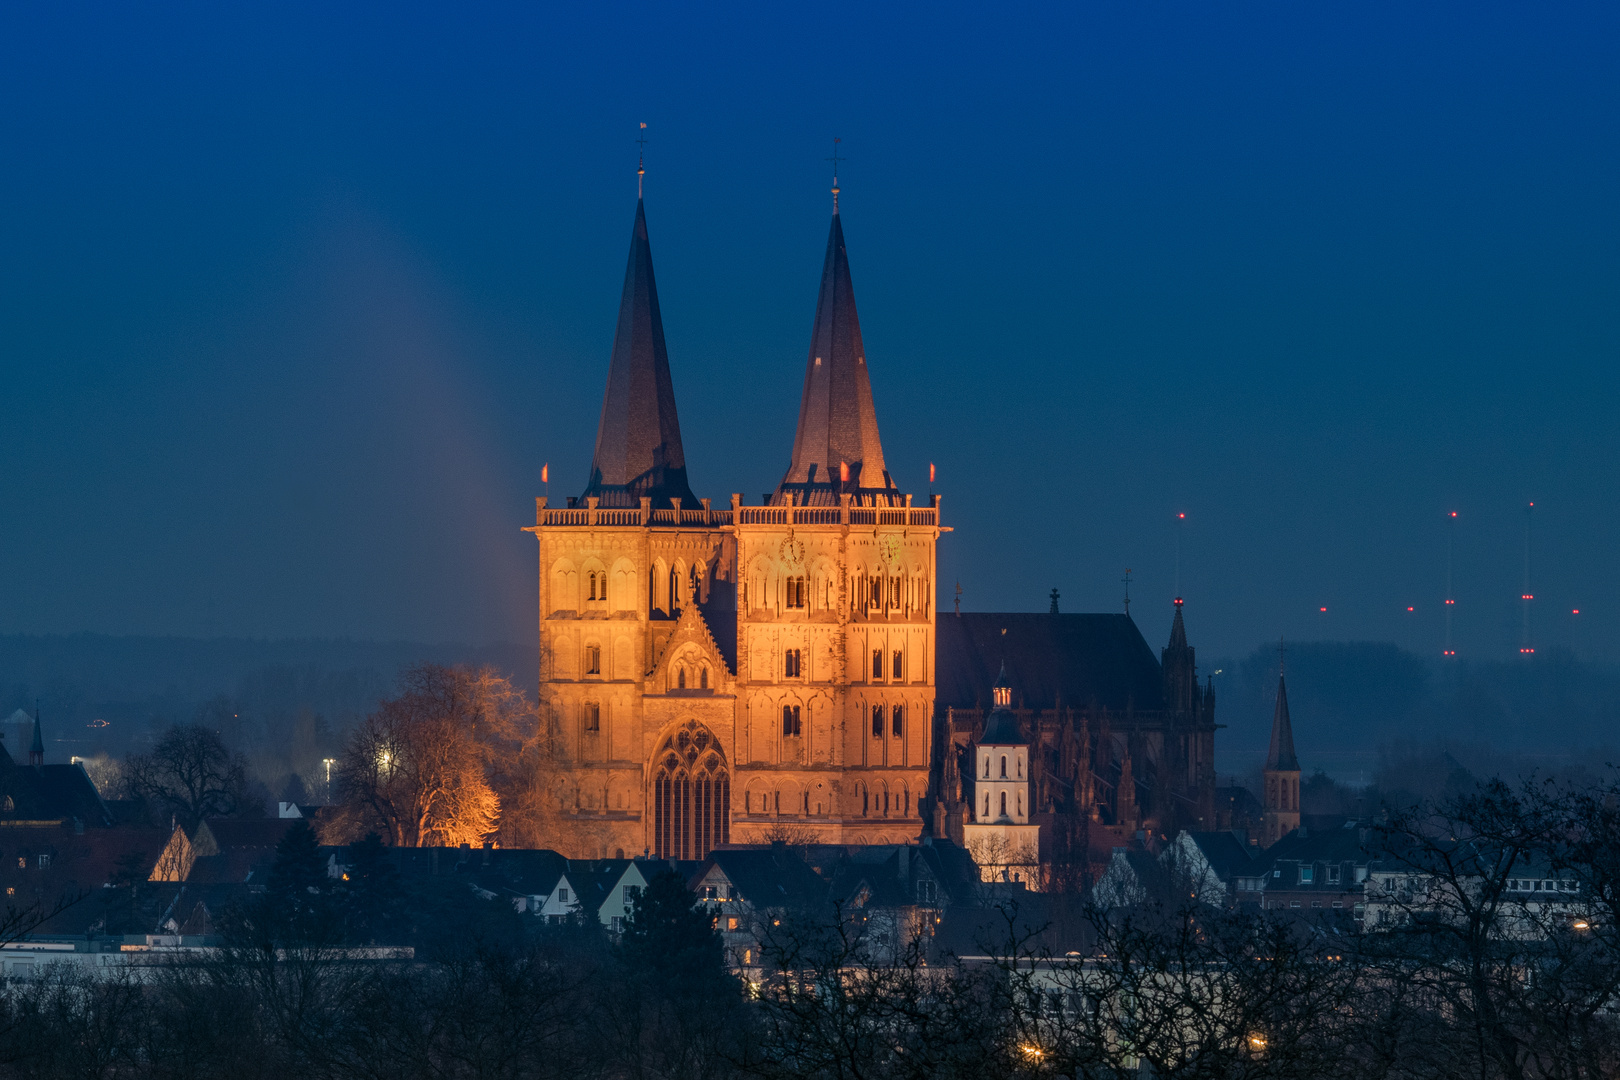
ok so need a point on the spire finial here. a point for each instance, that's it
(1127, 580)
(1282, 657)
(641, 158)
(835, 159)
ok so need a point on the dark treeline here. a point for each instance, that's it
(284, 705)
(1460, 973)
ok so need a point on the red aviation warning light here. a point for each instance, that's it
(1324, 609)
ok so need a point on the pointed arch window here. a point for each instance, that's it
(680, 679)
(691, 795)
(703, 677)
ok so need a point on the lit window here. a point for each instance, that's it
(1306, 874)
(731, 922)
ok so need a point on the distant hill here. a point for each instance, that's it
(1348, 699)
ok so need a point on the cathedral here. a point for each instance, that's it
(736, 673)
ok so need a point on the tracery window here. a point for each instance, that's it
(691, 795)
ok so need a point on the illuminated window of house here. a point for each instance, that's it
(877, 721)
(1306, 874)
(593, 659)
(593, 717)
(731, 922)
(898, 714)
(877, 663)
(896, 667)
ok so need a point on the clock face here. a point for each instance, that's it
(890, 547)
(792, 551)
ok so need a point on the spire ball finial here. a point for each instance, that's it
(641, 158)
(835, 159)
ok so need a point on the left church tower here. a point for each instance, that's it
(635, 692)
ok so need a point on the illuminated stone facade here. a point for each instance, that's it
(714, 674)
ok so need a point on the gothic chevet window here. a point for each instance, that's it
(791, 720)
(898, 715)
(895, 668)
(593, 717)
(877, 721)
(791, 663)
(691, 795)
(877, 663)
(795, 592)
(593, 659)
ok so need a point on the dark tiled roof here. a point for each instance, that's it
(1052, 660)
(247, 833)
(768, 876)
(638, 442)
(47, 792)
(1226, 853)
(80, 864)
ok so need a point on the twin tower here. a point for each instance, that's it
(736, 674)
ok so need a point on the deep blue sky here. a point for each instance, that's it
(295, 302)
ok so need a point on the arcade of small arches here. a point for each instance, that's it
(591, 587)
(770, 586)
(785, 797)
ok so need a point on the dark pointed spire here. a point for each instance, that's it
(1281, 758)
(638, 442)
(836, 448)
(36, 751)
(1178, 629)
(1180, 669)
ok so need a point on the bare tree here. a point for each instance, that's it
(416, 768)
(190, 775)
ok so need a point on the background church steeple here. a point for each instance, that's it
(1281, 775)
(36, 750)
(836, 448)
(638, 442)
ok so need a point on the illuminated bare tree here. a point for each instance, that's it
(416, 769)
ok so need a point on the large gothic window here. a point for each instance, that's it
(691, 795)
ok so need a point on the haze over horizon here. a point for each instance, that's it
(294, 305)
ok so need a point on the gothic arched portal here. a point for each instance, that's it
(691, 792)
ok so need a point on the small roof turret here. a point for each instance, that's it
(1001, 726)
